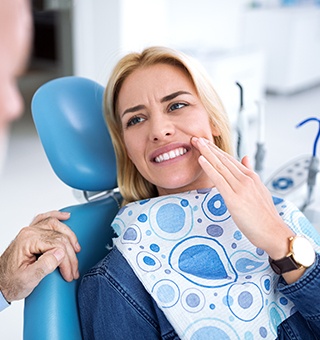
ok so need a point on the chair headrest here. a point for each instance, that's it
(68, 116)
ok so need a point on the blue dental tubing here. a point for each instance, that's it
(314, 163)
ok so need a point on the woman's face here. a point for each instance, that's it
(160, 111)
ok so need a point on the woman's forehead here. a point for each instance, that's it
(162, 78)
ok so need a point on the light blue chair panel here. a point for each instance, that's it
(67, 113)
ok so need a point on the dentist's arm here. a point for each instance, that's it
(37, 251)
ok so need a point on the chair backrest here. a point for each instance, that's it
(67, 113)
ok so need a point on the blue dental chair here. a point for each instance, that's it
(67, 113)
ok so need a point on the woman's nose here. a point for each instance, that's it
(161, 128)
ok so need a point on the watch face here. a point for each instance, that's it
(303, 252)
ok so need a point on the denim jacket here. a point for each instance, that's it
(114, 305)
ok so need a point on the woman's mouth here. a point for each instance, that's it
(170, 155)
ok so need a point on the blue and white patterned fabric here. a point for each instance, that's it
(208, 279)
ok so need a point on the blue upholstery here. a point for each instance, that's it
(67, 113)
(68, 116)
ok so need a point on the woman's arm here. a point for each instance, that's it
(304, 293)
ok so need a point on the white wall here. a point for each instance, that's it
(210, 30)
(95, 36)
(204, 24)
(105, 30)
(291, 45)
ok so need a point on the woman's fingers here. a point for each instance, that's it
(229, 168)
(245, 161)
(214, 173)
(246, 197)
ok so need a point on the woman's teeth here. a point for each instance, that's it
(170, 155)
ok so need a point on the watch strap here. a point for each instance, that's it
(283, 265)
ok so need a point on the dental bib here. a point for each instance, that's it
(208, 279)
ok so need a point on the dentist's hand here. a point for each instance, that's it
(246, 197)
(37, 251)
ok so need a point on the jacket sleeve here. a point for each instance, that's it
(304, 293)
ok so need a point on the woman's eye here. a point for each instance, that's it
(134, 120)
(176, 106)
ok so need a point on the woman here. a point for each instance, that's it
(198, 228)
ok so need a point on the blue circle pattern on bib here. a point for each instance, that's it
(193, 257)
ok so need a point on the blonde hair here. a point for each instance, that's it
(131, 184)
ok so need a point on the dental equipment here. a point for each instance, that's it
(314, 164)
(293, 175)
(261, 151)
(241, 128)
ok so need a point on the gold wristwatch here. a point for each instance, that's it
(301, 255)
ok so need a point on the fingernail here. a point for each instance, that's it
(77, 246)
(203, 159)
(59, 254)
(202, 141)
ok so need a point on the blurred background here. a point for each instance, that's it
(271, 48)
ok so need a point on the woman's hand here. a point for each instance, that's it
(246, 197)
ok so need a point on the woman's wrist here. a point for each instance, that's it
(279, 244)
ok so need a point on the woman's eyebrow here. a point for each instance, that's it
(133, 109)
(173, 95)
(164, 99)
